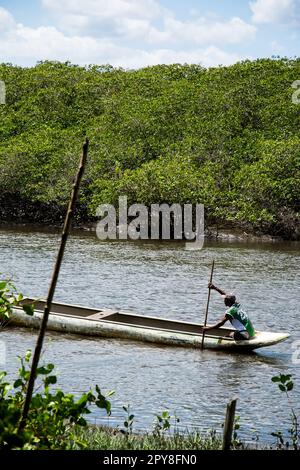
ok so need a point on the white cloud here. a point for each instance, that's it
(104, 9)
(274, 11)
(23, 43)
(198, 32)
(208, 57)
(276, 47)
(194, 41)
(6, 20)
(27, 45)
(203, 31)
(94, 15)
(137, 19)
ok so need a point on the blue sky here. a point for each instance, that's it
(136, 33)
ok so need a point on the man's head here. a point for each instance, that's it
(229, 299)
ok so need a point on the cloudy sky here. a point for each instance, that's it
(135, 33)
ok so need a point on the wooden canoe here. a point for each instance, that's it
(117, 324)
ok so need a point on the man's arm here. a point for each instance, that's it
(217, 325)
(212, 286)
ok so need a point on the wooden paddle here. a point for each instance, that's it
(208, 299)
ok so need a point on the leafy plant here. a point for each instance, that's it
(8, 298)
(236, 442)
(52, 417)
(128, 423)
(286, 385)
(162, 423)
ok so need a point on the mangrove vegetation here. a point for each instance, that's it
(227, 137)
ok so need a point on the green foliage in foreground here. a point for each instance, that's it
(53, 416)
(285, 384)
(56, 421)
(226, 136)
(8, 298)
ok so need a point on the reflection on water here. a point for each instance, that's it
(163, 279)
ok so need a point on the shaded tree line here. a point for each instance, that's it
(227, 137)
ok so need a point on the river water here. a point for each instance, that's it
(164, 279)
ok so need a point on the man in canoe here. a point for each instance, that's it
(237, 317)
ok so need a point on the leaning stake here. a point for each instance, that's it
(229, 424)
(208, 299)
(64, 237)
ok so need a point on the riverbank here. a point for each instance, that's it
(18, 212)
(223, 233)
(104, 438)
(107, 438)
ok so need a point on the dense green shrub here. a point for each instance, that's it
(226, 136)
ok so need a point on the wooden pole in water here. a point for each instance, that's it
(208, 299)
(48, 303)
(229, 424)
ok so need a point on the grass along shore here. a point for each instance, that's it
(104, 438)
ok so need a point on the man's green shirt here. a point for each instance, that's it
(239, 319)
